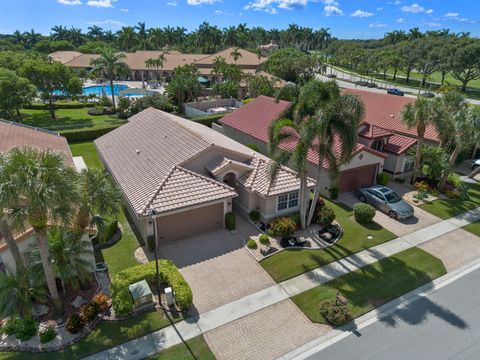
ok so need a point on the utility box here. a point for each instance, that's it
(141, 294)
(169, 296)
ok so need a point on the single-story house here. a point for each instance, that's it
(250, 125)
(14, 135)
(187, 177)
(248, 62)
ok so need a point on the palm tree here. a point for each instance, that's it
(17, 293)
(156, 63)
(235, 54)
(285, 131)
(39, 187)
(95, 32)
(68, 255)
(6, 232)
(420, 114)
(98, 198)
(337, 121)
(127, 38)
(142, 35)
(110, 65)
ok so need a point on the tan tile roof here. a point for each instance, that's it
(64, 56)
(183, 188)
(220, 163)
(13, 135)
(82, 61)
(278, 83)
(247, 59)
(259, 180)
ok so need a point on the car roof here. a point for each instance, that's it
(382, 189)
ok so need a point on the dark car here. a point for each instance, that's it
(361, 83)
(395, 91)
(427, 95)
(332, 76)
(372, 85)
(386, 200)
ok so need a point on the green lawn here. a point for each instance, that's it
(292, 262)
(375, 284)
(447, 208)
(474, 228)
(120, 256)
(106, 335)
(68, 119)
(196, 346)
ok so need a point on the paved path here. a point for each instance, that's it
(213, 319)
(443, 325)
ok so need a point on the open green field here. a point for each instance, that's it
(68, 119)
(195, 348)
(292, 262)
(447, 208)
(120, 256)
(106, 335)
(375, 284)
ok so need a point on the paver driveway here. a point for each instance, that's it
(265, 334)
(217, 266)
(456, 248)
(418, 221)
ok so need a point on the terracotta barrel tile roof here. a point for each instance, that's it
(370, 131)
(398, 144)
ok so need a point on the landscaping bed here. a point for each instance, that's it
(373, 285)
(293, 262)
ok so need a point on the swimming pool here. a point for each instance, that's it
(105, 89)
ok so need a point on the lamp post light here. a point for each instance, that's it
(153, 215)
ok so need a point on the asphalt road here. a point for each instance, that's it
(443, 325)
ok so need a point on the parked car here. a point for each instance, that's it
(361, 83)
(332, 76)
(371, 85)
(474, 164)
(395, 91)
(386, 200)
(427, 95)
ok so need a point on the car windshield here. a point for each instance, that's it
(392, 197)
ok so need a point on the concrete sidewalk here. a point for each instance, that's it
(187, 329)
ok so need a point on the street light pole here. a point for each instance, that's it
(153, 215)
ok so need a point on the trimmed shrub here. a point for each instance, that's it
(296, 217)
(363, 213)
(151, 243)
(452, 194)
(251, 244)
(264, 239)
(62, 105)
(48, 334)
(335, 314)
(326, 216)
(75, 323)
(333, 191)
(26, 329)
(86, 134)
(383, 179)
(269, 232)
(90, 311)
(254, 147)
(399, 180)
(209, 120)
(11, 325)
(246, 101)
(122, 301)
(254, 215)
(102, 300)
(96, 111)
(230, 221)
(283, 226)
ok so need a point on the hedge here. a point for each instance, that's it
(122, 301)
(72, 105)
(86, 134)
(209, 120)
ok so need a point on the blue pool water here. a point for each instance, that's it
(105, 89)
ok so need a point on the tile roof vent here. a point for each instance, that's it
(392, 116)
(137, 151)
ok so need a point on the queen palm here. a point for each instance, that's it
(419, 115)
(235, 54)
(68, 255)
(98, 198)
(156, 63)
(17, 293)
(110, 65)
(39, 187)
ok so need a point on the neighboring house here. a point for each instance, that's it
(248, 62)
(250, 124)
(14, 135)
(276, 82)
(190, 176)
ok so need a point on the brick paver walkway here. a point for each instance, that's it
(265, 334)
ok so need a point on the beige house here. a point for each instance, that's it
(16, 135)
(248, 62)
(186, 176)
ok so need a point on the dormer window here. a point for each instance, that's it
(377, 145)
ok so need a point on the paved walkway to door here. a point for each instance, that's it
(217, 266)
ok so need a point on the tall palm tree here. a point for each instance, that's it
(142, 35)
(69, 257)
(235, 54)
(110, 65)
(98, 198)
(156, 63)
(39, 187)
(282, 132)
(127, 38)
(419, 115)
(95, 32)
(17, 293)
(6, 232)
